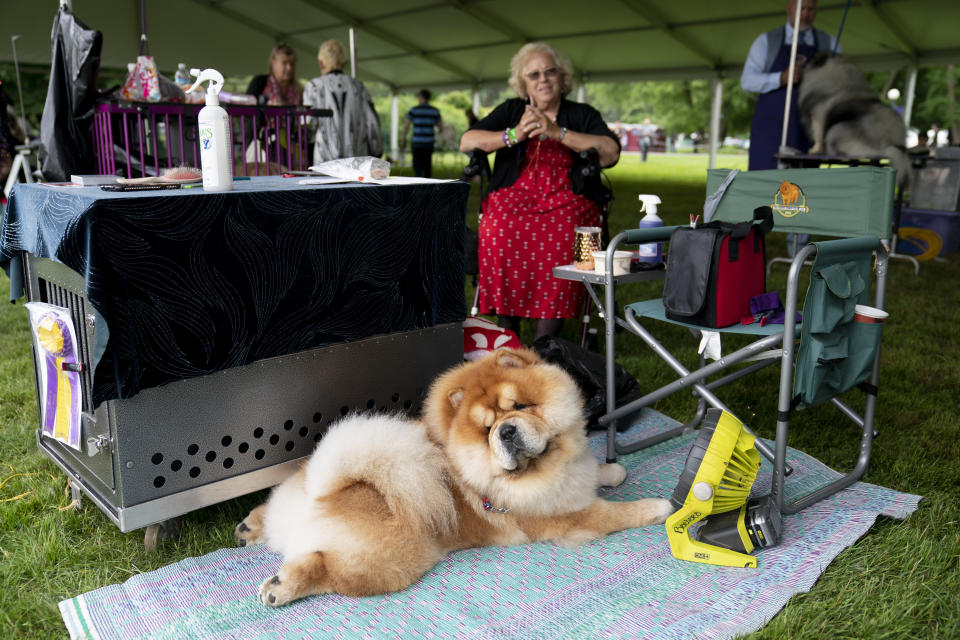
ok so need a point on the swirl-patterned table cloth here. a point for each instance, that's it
(188, 283)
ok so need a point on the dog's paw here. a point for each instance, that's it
(653, 511)
(250, 530)
(274, 592)
(612, 474)
(815, 150)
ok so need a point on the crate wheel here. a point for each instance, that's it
(157, 533)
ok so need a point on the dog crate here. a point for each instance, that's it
(195, 442)
(140, 139)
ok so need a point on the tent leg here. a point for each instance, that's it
(715, 106)
(911, 91)
(394, 126)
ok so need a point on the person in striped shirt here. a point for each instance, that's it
(425, 119)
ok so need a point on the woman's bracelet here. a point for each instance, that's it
(563, 132)
(510, 137)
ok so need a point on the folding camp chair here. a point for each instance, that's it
(835, 353)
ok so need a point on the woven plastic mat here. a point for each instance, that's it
(627, 585)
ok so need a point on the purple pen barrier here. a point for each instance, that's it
(141, 139)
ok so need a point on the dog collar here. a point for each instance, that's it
(489, 507)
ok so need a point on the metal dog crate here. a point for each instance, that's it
(192, 443)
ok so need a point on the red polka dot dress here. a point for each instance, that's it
(527, 229)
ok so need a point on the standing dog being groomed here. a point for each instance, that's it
(844, 116)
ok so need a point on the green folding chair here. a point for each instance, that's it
(836, 353)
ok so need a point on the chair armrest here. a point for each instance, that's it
(652, 234)
(862, 244)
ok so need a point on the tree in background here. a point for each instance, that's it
(678, 107)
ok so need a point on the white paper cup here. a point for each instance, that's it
(621, 262)
(869, 315)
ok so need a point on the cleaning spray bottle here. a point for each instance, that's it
(216, 161)
(651, 253)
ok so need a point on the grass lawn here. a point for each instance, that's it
(901, 580)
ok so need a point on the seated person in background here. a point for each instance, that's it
(538, 193)
(354, 127)
(280, 86)
(277, 88)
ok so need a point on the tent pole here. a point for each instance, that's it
(353, 53)
(16, 67)
(715, 105)
(793, 65)
(911, 91)
(476, 100)
(394, 126)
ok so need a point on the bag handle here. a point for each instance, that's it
(739, 230)
(144, 49)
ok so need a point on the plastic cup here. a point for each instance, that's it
(869, 315)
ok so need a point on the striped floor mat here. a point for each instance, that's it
(627, 585)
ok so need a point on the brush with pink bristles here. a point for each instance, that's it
(174, 175)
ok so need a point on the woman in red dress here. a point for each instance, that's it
(538, 192)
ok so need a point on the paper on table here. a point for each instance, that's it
(407, 180)
(392, 180)
(324, 180)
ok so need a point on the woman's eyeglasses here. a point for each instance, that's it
(534, 76)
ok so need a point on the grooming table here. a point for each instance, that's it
(222, 333)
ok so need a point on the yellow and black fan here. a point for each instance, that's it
(714, 487)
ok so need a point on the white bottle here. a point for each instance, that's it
(213, 126)
(652, 252)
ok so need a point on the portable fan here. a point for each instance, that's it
(714, 487)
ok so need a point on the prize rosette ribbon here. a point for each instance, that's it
(57, 366)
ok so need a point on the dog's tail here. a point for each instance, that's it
(900, 160)
(392, 455)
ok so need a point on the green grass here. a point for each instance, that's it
(900, 580)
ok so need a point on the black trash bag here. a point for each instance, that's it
(65, 128)
(589, 371)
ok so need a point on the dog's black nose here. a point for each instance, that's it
(508, 433)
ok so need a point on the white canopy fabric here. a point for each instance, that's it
(410, 44)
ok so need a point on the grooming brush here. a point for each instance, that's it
(715, 483)
(176, 175)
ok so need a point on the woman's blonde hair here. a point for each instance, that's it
(332, 56)
(531, 49)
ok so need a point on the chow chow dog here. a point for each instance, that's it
(843, 115)
(499, 457)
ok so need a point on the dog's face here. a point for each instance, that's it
(511, 425)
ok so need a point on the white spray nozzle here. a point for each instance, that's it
(214, 76)
(648, 203)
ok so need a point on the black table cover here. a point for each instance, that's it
(189, 283)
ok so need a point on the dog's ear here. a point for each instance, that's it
(455, 397)
(517, 358)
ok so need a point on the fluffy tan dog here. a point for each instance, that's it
(500, 458)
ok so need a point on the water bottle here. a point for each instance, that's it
(182, 77)
(651, 253)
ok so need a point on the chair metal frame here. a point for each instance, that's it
(776, 346)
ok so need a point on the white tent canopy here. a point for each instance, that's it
(438, 43)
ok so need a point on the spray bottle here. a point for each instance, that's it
(651, 253)
(216, 160)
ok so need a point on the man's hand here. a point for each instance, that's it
(797, 75)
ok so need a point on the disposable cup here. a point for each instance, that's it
(869, 315)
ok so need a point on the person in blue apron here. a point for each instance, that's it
(765, 72)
